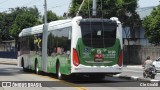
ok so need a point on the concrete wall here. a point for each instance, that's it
(7, 49)
(135, 55)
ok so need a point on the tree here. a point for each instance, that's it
(22, 21)
(0, 36)
(125, 10)
(5, 23)
(7, 20)
(25, 17)
(105, 8)
(51, 16)
(1, 18)
(151, 25)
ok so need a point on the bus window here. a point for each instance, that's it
(98, 35)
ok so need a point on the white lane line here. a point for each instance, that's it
(154, 80)
(134, 77)
(135, 67)
(137, 71)
(132, 71)
(117, 75)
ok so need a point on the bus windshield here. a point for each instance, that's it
(98, 34)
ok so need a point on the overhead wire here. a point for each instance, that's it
(3, 2)
(33, 1)
(102, 22)
(80, 8)
(145, 8)
(90, 26)
(68, 9)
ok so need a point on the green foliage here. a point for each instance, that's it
(125, 10)
(25, 17)
(5, 22)
(51, 16)
(60, 17)
(22, 21)
(107, 9)
(19, 18)
(151, 24)
(74, 8)
(8, 21)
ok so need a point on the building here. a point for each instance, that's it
(139, 38)
(7, 46)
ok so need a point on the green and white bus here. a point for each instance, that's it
(87, 46)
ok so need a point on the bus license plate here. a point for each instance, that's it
(98, 60)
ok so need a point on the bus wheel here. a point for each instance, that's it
(59, 75)
(36, 68)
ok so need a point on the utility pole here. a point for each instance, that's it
(44, 39)
(94, 7)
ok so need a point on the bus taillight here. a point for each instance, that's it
(120, 60)
(75, 57)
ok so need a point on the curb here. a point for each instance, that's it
(8, 63)
(135, 78)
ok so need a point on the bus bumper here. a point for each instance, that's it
(115, 69)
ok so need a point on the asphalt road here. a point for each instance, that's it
(14, 73)
(137, 72)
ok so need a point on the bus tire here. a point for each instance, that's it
(36, 67)
(60, 76)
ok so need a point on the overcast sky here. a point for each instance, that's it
(57, 6)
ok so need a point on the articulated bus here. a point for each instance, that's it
(89, 46)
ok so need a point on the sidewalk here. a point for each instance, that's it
(133, 66)
(8, 61)
(136, 77)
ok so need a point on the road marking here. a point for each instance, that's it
(132, 71)
(64, 82)
(117, 75)
(134, 77)
(74, 85)
(137, 71)
(154, 80)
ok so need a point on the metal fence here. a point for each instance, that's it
(135, 55)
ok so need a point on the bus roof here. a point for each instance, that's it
(58, 24)
(51, 26)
